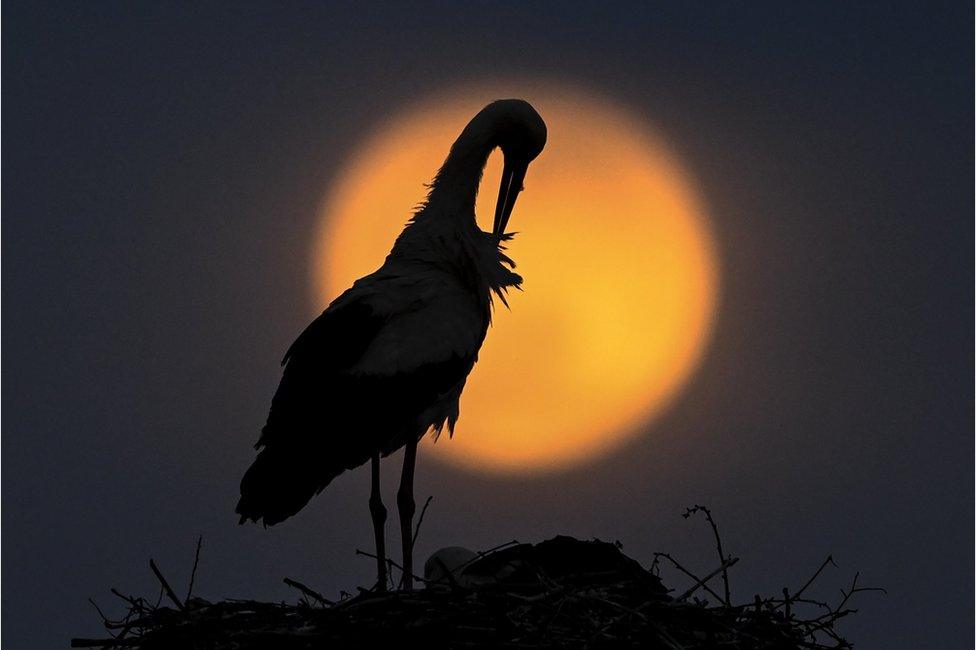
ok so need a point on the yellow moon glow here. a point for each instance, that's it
(618, 261)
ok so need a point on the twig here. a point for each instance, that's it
(98, 609)
(655, 566)
(169, 590)
(193, 573)
(701, 583)
(137, 608)
(796, 597)
(854, 590)
(391, 563)
(308, 591)
(688, 573)
(718, 545)
(829, 560)
(134, 603)
(809, 601)
(484, 554)
(420, 520)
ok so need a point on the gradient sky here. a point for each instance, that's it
(163, 166)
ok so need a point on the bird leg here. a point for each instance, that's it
(378, 511)
(406, 507)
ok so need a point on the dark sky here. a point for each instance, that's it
(163, 164)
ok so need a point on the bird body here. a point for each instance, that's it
(387, 360)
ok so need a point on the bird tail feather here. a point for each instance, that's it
(281, 482)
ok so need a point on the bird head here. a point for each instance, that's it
(519, 131)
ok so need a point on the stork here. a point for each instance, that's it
(386, 362)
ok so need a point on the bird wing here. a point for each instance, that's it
(338, 337)
(359, 380)
(316, 378)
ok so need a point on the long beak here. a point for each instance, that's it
(512, 177)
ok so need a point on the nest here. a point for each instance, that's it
(560, 593)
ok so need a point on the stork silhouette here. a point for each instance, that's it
(386, 362)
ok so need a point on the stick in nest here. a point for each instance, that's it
(308, 591)
(718, 544)
(193, 573)
(423, 511)
(688, 573)
(169, 590)
(391, 563)
(796, 596)
(701, 583)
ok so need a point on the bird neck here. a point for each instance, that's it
(455, 187)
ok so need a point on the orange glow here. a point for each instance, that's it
(619, 267)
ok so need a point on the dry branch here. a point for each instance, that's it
(162, 581)
(718, 546)
(723, 569)
(420, 520)
(193, 573)
(308, 591)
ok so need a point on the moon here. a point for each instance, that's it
(619, 266)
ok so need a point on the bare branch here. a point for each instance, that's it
(308, 591)
(701, 583)
(391, 563)
(796, 596)
(688, 573)
(420, 520)
(193, 573)
(718, 546)
(169, 590)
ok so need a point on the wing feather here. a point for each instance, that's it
(330, 413)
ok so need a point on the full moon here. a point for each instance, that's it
(619, 267)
